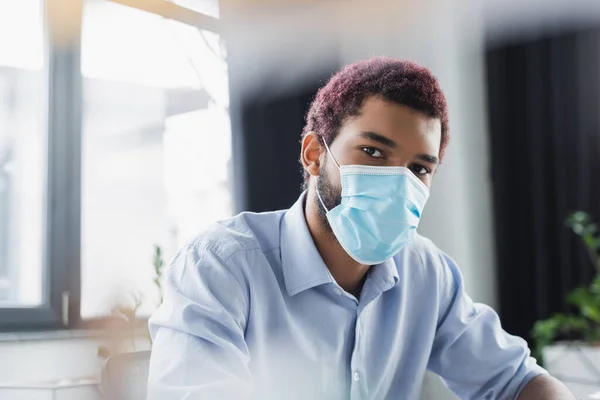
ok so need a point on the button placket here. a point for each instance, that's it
(356, 392)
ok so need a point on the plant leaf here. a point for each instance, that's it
(589, 241)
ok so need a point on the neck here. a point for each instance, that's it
(348, 273)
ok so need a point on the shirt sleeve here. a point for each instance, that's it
(474, 356)
(199, 350)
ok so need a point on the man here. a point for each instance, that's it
(338, 297)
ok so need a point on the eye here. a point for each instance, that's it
(419, 170)
(372, 152)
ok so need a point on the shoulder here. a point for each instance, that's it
(427, 269)
(431, 254)
(421, 252)
(243, 233)
(224, 253)
(424, 258)
(423, 246)
(228, 249)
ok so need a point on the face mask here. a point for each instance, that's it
(379, 213)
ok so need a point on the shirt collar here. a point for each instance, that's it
(385, 275)
(303, 267)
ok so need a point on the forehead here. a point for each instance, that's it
(404, 125)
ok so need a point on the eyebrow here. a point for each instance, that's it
(376, 137)
(428, 158)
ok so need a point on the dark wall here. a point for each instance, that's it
(268, 131)
(544, 102)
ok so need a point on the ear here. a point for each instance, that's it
(311, 153)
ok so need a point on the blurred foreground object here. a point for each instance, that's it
(125, 376)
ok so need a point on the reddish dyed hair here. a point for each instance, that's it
(399, 81)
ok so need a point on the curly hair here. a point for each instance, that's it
(399, 81)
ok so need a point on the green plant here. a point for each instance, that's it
(158, 268)
(125, 313)
(585, 324)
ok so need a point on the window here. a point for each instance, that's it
(22, 153)
(155, 147)
(119, 142)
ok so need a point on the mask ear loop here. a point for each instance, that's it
(336, 164)
(320, 199)
(331, 154)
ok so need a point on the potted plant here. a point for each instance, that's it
(126, 314)
(577, 360)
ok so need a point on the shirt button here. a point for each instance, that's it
(355, 376)
(338, 291)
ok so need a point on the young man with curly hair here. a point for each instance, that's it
(339, 297)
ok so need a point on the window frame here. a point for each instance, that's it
(62, 253)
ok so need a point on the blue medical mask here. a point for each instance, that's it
(379, 213)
